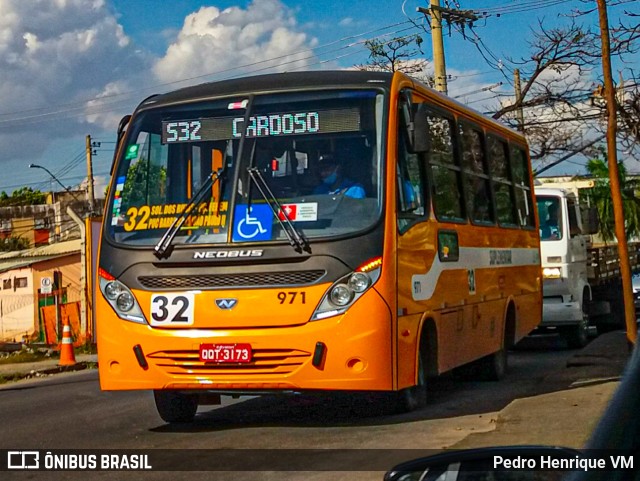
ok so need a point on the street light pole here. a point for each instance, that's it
(36, 166)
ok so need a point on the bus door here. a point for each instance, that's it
(415, 248)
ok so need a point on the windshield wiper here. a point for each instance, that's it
(162, 248)
(297, 239)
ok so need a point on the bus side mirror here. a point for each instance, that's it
(124, 121)
(418, 129)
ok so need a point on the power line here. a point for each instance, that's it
(83, 111)
(483, 89)
(525, 6)
(74, 106)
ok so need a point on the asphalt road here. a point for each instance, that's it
(68, 411)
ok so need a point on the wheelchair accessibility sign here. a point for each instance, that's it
(252, 224)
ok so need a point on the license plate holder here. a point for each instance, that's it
(225, 353)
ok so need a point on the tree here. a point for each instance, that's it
(13, 244)
(555, 95)
(562, 99)
(398, 54)
(145, 184)
(600, 197)
(560, 94)
(22, 196)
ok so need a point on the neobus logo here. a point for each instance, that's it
(227, 254)
(226, 303)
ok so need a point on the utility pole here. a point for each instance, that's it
(90, 193)
(519, 112)
(437, 13)
(614, 178)
(439, 66)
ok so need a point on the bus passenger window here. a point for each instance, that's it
(502, 187)
(477, 188)
(446, 172)
(524, 198)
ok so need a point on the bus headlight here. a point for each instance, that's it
(112, 290)
(341, 295)
(359, 282)
(120, 298)
(125, 301)
(348, 289)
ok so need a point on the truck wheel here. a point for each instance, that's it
(578, 336)
(414, 397)
(174, 407)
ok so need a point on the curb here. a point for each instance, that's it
(35, 373)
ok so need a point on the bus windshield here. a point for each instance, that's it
(319, 153)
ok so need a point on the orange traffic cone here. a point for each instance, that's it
(67, 357)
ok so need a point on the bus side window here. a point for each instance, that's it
(477, 184)
(524, 197)
(446, 182)
(502, 186)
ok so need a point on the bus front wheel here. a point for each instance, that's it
(414, 397)
(175, 407)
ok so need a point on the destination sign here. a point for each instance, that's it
(267, 125)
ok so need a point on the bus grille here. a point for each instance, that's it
(210, 281)
(263, 362)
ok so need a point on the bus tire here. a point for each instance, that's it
(415, 397)
(175, 407)
(494, 366)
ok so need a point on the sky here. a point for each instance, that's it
(72, 68)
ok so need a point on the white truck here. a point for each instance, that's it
(581, 280)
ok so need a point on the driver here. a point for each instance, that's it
(333, 180)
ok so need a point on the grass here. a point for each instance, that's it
(27, 356)
(9, 378)
(87, 348)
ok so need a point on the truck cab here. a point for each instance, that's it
(564, 241)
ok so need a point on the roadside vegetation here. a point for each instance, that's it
(27, 354)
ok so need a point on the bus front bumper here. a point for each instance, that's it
(356, 354)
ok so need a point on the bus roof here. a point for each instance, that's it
(272, 83)
(289, 81)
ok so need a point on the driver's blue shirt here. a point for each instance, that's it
(347, 187)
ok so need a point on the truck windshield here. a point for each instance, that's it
(550, 218)
(319, 153)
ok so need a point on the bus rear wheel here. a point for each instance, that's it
(175, 407)
(494, 366)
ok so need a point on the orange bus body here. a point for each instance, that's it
(450, 304)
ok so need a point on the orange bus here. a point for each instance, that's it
(312, 231)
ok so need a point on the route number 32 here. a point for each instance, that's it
(172, 309)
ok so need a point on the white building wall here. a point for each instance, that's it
(16, 304)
